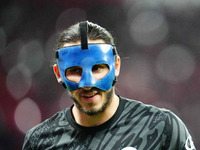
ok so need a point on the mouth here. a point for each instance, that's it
(89, 95)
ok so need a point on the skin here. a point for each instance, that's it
(92, 106)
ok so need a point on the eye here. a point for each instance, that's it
(96, 68)
(99, 67)
(74, 73)
(100, 70)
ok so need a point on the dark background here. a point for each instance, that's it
(158, 41)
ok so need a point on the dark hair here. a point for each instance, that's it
(72, 34)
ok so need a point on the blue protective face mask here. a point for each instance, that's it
(86, 59)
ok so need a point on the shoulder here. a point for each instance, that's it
(51, 122)
(43, 129)
(148, 115)
(174, 131)
(157, 114)
(139, 107)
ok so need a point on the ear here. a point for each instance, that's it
(57, 73)
(117, 65)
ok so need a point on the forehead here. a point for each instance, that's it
(79, 43)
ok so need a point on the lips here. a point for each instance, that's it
(89, 94)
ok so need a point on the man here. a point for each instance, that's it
(87, 66)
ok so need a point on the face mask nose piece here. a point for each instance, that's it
(87, 79)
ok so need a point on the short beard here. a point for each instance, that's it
(93, 112)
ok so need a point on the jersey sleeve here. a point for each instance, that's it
(28, 142)
(178, 136)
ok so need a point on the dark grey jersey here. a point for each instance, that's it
(134, 126)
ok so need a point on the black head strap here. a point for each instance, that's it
(114, 51)
(63, 84)
(114, 81)
(57, 54)
(83, 33)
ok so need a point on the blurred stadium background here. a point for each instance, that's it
(158, 41)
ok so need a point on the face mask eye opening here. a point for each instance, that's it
(99, 71)
(74, 73)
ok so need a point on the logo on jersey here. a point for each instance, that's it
(189, 145)
(129, 148)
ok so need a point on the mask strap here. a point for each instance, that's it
(114, 81)
(83, 33)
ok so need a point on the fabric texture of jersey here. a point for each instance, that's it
(134, 125)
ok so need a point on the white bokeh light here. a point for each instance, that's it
(138, 79)
(149, 28)
(173, 4)
(64, 101)
(10, 55)
(51, 46)
(69, 17)
(32, 55)
(175, 64)
(27, 115)
(19, 81)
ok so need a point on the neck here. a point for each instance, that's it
(95, 120)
